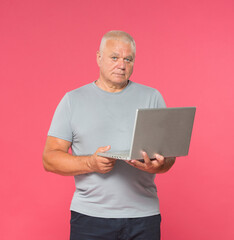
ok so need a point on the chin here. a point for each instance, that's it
(120, 81)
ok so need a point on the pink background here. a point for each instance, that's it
(185, 49)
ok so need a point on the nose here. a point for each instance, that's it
(121, 64)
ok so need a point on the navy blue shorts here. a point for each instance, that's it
(85, 227)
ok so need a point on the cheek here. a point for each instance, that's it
(108, 64)
(129, 69)
(111, 66)
(106, 67)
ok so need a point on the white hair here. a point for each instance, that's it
(118, 35)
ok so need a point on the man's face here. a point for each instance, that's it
(116, 62)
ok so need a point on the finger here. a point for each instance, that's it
(129, 162)
(108, 167)
(107, 160)
(146, 159)
(104, 149)
(111, 160)
(109, 164)
(137, 164)
(159, 158)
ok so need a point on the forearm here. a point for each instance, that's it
(168, 163)
(65, 164)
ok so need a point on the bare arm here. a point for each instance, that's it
(56, 159)
(167, 164)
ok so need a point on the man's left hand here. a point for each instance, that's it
(157, 165)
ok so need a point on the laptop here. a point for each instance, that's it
(166, 131)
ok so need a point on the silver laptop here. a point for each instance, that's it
(166, 131)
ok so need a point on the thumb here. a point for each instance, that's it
(104, 149)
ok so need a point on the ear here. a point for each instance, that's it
(98, 58)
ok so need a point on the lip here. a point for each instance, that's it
(120, 74)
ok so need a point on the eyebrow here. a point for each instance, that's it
(129, 57)
(116, 54)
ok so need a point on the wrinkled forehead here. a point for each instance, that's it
(117, 45)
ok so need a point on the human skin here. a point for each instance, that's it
(116, 62)
(56, 159)
(116, 65)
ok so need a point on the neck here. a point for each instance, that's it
(110, 87)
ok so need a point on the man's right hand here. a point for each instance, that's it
(56, 159)
(101, 164)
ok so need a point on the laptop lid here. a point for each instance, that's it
(166, 131)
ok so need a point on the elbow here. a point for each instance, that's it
(46, 163)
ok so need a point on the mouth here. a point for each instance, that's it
(119, 74)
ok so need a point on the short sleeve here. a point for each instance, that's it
(160, 101)
(61, 125)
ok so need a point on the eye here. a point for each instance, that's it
(128, 60)
(114, 58)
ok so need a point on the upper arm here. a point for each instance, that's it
(60, 127)
(160, 101)
(54, 148)
(56, 144)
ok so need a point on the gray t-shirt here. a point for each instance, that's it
(89, 118)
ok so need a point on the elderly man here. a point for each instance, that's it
(114, 199)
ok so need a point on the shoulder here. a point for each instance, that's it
(80, 91)
(83, 92)
(145, 89)
(75, 96)
(149, 94)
